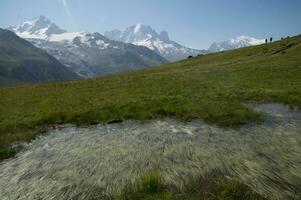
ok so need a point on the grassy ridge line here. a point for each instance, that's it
(213, 87)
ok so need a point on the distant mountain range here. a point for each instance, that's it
(143, 35)
(87, 54)
(235, 43)
(21, 62)
(92, 54)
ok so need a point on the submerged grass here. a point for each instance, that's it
(148, 187)
(214, 87)
(152, 187)
(97, 161)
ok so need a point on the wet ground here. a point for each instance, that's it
(87, 163)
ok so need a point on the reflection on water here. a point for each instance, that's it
(86, 163)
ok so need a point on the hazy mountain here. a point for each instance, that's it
(87, 54)
(235, 43)
(39, 28)
(20, 61)
(143, 35)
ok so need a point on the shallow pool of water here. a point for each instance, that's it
(87, 163)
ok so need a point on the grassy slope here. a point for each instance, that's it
(215, 87)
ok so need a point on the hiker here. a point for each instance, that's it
(266, 40)
(271, 39)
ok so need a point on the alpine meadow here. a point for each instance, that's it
(134, 115)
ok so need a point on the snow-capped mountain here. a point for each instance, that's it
(143, 35)
(87, 54)
(21, 61)
(38, 28)
(235, 43)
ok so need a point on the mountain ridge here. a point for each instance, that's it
(144, 35)
(76, 49)
(235, 43)
(20, 61)
(87, 54)
(38, 28)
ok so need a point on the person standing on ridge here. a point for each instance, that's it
(271, 39)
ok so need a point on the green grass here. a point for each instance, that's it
(148, 187)
(151, 187)
(216, 88)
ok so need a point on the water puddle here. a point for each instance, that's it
(87, 163)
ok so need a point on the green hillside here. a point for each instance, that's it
(21, 62)
(217, 88)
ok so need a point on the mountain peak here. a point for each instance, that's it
(235, 43)
(40, 28)
(144, 35)
(43, 19)
(143, 29)
(247, 39)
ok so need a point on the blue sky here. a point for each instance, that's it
(194, 23)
